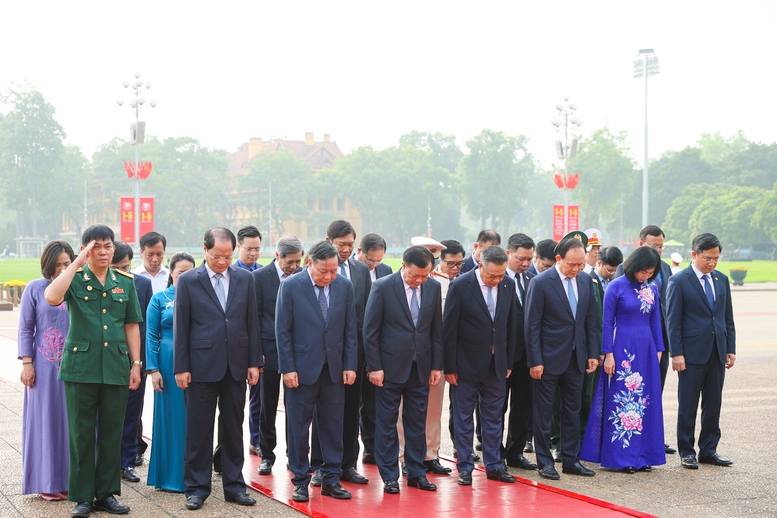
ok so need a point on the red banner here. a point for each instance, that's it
(558, 222)
(127, 217)
(573, 218)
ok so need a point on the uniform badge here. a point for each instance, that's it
(117, 290)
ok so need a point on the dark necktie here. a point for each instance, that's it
(490, 302)
(708, 292)
(518, 281)
(322, 301)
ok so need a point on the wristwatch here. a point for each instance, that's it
(138, 362)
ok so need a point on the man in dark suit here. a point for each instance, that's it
(403, 343)
(560, 326)
(218, 346)
(315, 329)
(485, 239)
(343, 236)
(267, 282)
(122, 260)
(477, 361)
(520, 250)
(545, 257)
(371, 250)
(653, 237)
(702, 342)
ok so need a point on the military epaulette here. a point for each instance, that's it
(122, 272)
(80, 270)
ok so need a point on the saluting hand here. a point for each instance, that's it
(83, 256)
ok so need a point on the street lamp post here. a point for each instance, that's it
(566, 150)
(137, 131)
(646, 66)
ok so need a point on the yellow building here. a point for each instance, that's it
(319, 155)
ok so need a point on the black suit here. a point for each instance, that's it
(481, 358)
(562, 344)
(519, 382)
(469, 264)
(406, 352)
(703, 336)
(367, 408)
(217, 347)
(360, 280)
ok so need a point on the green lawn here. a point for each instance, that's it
(28, 269)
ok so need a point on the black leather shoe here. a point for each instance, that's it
(436, 468)
(111, 505)
(521, 462)
(689, 462)
(475, 457)
(549, 472)
(404, 469)
(421, 483)
(335, 491)
(129, 475)
(464, 478)
(265, 468)
(82, 510)
(669, 450)
(193, 502)
(300, 493)
(578, 469)
(501, 475)
(479, 446)
(630, 470)
(353, 476)
(528, 448)
(391, 487)
(254, 450)
(368, 458)
(557, 455)
(315, 480)
(715, 460)
(138, 460)
(240, 499)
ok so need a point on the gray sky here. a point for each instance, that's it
(368, 72)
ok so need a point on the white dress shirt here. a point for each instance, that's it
(280, 272)
(347, 269)
(409, 295)
(565, 280)
(518, 280)
(158, 281)
(317, 289)
(484, 289)
(224, 280)
(700, 276)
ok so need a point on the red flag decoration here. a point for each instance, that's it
(143, 167)
(559, 181)
(558, 222)
(568, 181)
(573, 218)
(127, 217)
(572, 181)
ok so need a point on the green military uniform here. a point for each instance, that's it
(95, 368)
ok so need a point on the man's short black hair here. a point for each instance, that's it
(221, 233)
(489, 236)
(370, 242)
(121, 251)
(650, 230)
(339, 228)
(642, 258)
(419, 256)
(493, 255)
(611, 255)
(546, 249)
(249, 231)
(151, 239)
(50, 256)
(568, 244)
(704, 242)
(101, 232)
(453, 247)
(517, 241)
(322, 251)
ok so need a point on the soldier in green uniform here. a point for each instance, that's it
(100, 363)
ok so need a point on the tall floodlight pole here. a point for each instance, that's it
(646, 66)
(566, 150)
(138, 136)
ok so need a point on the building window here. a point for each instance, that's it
(325, 205)
(340, 204)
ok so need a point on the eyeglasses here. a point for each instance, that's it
(372, 262)
(657, 248)
(454, 264)
(710, 260)
(219, 257)
(253, 249)
(611, 272)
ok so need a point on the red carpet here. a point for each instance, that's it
(484, 498)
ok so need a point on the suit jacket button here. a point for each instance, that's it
(106, 344)
(226, 320)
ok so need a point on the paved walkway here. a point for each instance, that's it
(749, 421)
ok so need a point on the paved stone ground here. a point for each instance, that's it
(749, 418)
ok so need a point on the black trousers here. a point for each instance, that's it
(519, 400)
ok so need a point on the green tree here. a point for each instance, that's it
(677, 223)
(32, 157)
(714, 148)
(765, 217)
(730, 216)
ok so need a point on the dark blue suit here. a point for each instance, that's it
(318, 351)
(480, 351)
(264, 395)
(562, 344)
(704, 337)
(130, 434)
(469, 264)
(406, 353)
(367, 408)
(217, 347)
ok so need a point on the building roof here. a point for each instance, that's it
(318, 154)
